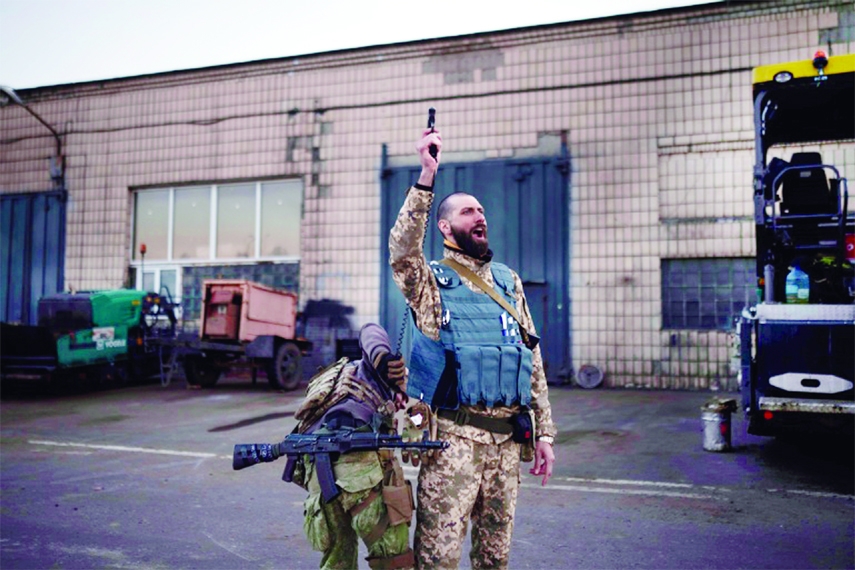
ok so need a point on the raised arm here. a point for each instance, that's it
(410, 269)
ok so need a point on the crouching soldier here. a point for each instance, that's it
(372, 500)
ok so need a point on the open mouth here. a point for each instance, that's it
(480, 232)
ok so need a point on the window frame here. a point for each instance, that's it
(136, 260)
(157, 270)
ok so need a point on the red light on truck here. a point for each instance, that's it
(820, 60)
(767, 415)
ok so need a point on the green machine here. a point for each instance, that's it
(99, 334)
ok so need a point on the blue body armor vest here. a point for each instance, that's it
(479, 339)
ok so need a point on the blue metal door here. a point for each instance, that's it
(32, 249)
(527, 209)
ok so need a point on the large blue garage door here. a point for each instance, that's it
(526, 203)
(32, 249)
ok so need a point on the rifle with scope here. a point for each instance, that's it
(320, 447)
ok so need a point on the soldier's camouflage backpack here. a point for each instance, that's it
(332, 385)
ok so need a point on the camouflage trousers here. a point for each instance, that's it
(358, 512)
(468, 480)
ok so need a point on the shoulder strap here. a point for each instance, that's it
(528, 339)
(481, 284)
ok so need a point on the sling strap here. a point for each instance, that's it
(378, 531)
(528, 339)
(405, 560)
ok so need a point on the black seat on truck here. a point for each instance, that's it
(807, 190)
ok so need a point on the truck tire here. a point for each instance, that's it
(201, 372)
(286, 369)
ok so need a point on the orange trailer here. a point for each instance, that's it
(249, 325)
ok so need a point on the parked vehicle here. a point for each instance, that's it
(797, 344)
(243, 325)
(88, 337)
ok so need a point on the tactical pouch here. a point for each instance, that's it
(524, 433)
(399, 503)
(523, 427)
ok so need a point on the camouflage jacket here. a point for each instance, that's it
(412, 274)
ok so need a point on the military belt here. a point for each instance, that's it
(462, 417)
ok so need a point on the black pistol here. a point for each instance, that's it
(431, 121)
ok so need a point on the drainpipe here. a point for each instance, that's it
(57, 167)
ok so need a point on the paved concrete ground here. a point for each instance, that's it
(658, 436)
(141, 478)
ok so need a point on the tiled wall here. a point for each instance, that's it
(657, 111)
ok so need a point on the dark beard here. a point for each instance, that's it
(469, 246)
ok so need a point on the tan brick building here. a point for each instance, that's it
(275, 170)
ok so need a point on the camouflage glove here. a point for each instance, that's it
(418, 421)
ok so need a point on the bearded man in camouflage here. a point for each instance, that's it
(470, 367)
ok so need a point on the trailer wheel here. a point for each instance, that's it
(201, 372)
(286, 369)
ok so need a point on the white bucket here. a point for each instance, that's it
(716, 420)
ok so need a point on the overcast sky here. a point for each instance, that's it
(52, 42)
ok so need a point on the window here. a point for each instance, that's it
(191, 235)
(232, 222)
(705, 294)
(151, 220)
(236, 227)
(163, 280)
(280, 222)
